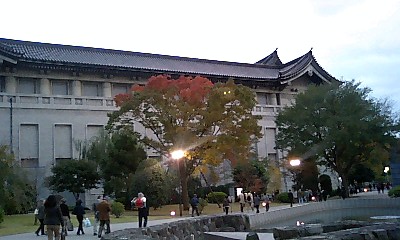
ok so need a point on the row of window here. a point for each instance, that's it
(64, 87)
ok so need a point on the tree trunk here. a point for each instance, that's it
(346, 185)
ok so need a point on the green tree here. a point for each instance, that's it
(211, 122)
(361, 173)
(305, 176)
(338, 125)
(74, 176)
(17, 195)
(152, 180)
(251, 177)
(118, 156)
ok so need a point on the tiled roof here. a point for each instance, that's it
(271, 60)
(271, 69)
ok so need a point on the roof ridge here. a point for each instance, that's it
(122, 52)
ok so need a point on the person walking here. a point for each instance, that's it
(53, 218)
(256, 201)
(242, 201)
(40, 217)
(226, 204)
(140, 203)
(104, 210)
(290, 195)
(65, 215)
(249, 200)
(266, 202)
(194, 202)
(79, 211)
(96, 216)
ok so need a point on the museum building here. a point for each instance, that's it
(55, 97)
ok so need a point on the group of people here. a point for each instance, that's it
(253, 201)
(56, 217)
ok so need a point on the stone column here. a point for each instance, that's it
(45, 86)
(77, 88)
(11, 85)
(107, 90)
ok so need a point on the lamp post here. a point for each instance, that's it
(295, 163)
(386, 170)
(177, 155)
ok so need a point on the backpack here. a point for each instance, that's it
(248, 198)
(139, 203)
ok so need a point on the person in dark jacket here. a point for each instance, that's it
(290, 195)
(256, 202)
(79, 211)
(195, 205)
(226, 204)
(40, 216)
(65, 214)
(53, 218)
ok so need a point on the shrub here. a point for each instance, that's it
(394, 192)
(117, 209)
(1, 215)
(283, 197)
(202, 204)
(215, 197)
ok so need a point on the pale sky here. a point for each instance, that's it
(351, 39)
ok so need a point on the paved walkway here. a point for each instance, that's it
(120, 226)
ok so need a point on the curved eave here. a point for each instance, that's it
(302, 65)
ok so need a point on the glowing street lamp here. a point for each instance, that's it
(178, 154)
(294, 162)
(386, 169)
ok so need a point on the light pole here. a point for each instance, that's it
(386, 170)
(295, 163)
(177, 155)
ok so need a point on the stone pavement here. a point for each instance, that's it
(120, 226)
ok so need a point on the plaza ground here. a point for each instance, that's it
(134, 224)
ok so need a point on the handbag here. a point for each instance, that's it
(70, 226)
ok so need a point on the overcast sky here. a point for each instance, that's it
(350, 39)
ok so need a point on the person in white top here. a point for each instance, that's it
(242, 201)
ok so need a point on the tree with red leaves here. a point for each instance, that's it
(210, 122)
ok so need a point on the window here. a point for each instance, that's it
(29, 145)
(28, 86)
(119, 88)
(92, 89)
(60, 87)
(2, 84)
(62, 141)
(93, 131)
(270, 98)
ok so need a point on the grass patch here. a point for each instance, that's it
(23, 223)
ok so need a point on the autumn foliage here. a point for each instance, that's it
(192, 90)
(210, 122)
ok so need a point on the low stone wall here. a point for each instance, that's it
(337, 209)
(191, 228)
(341, 230)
